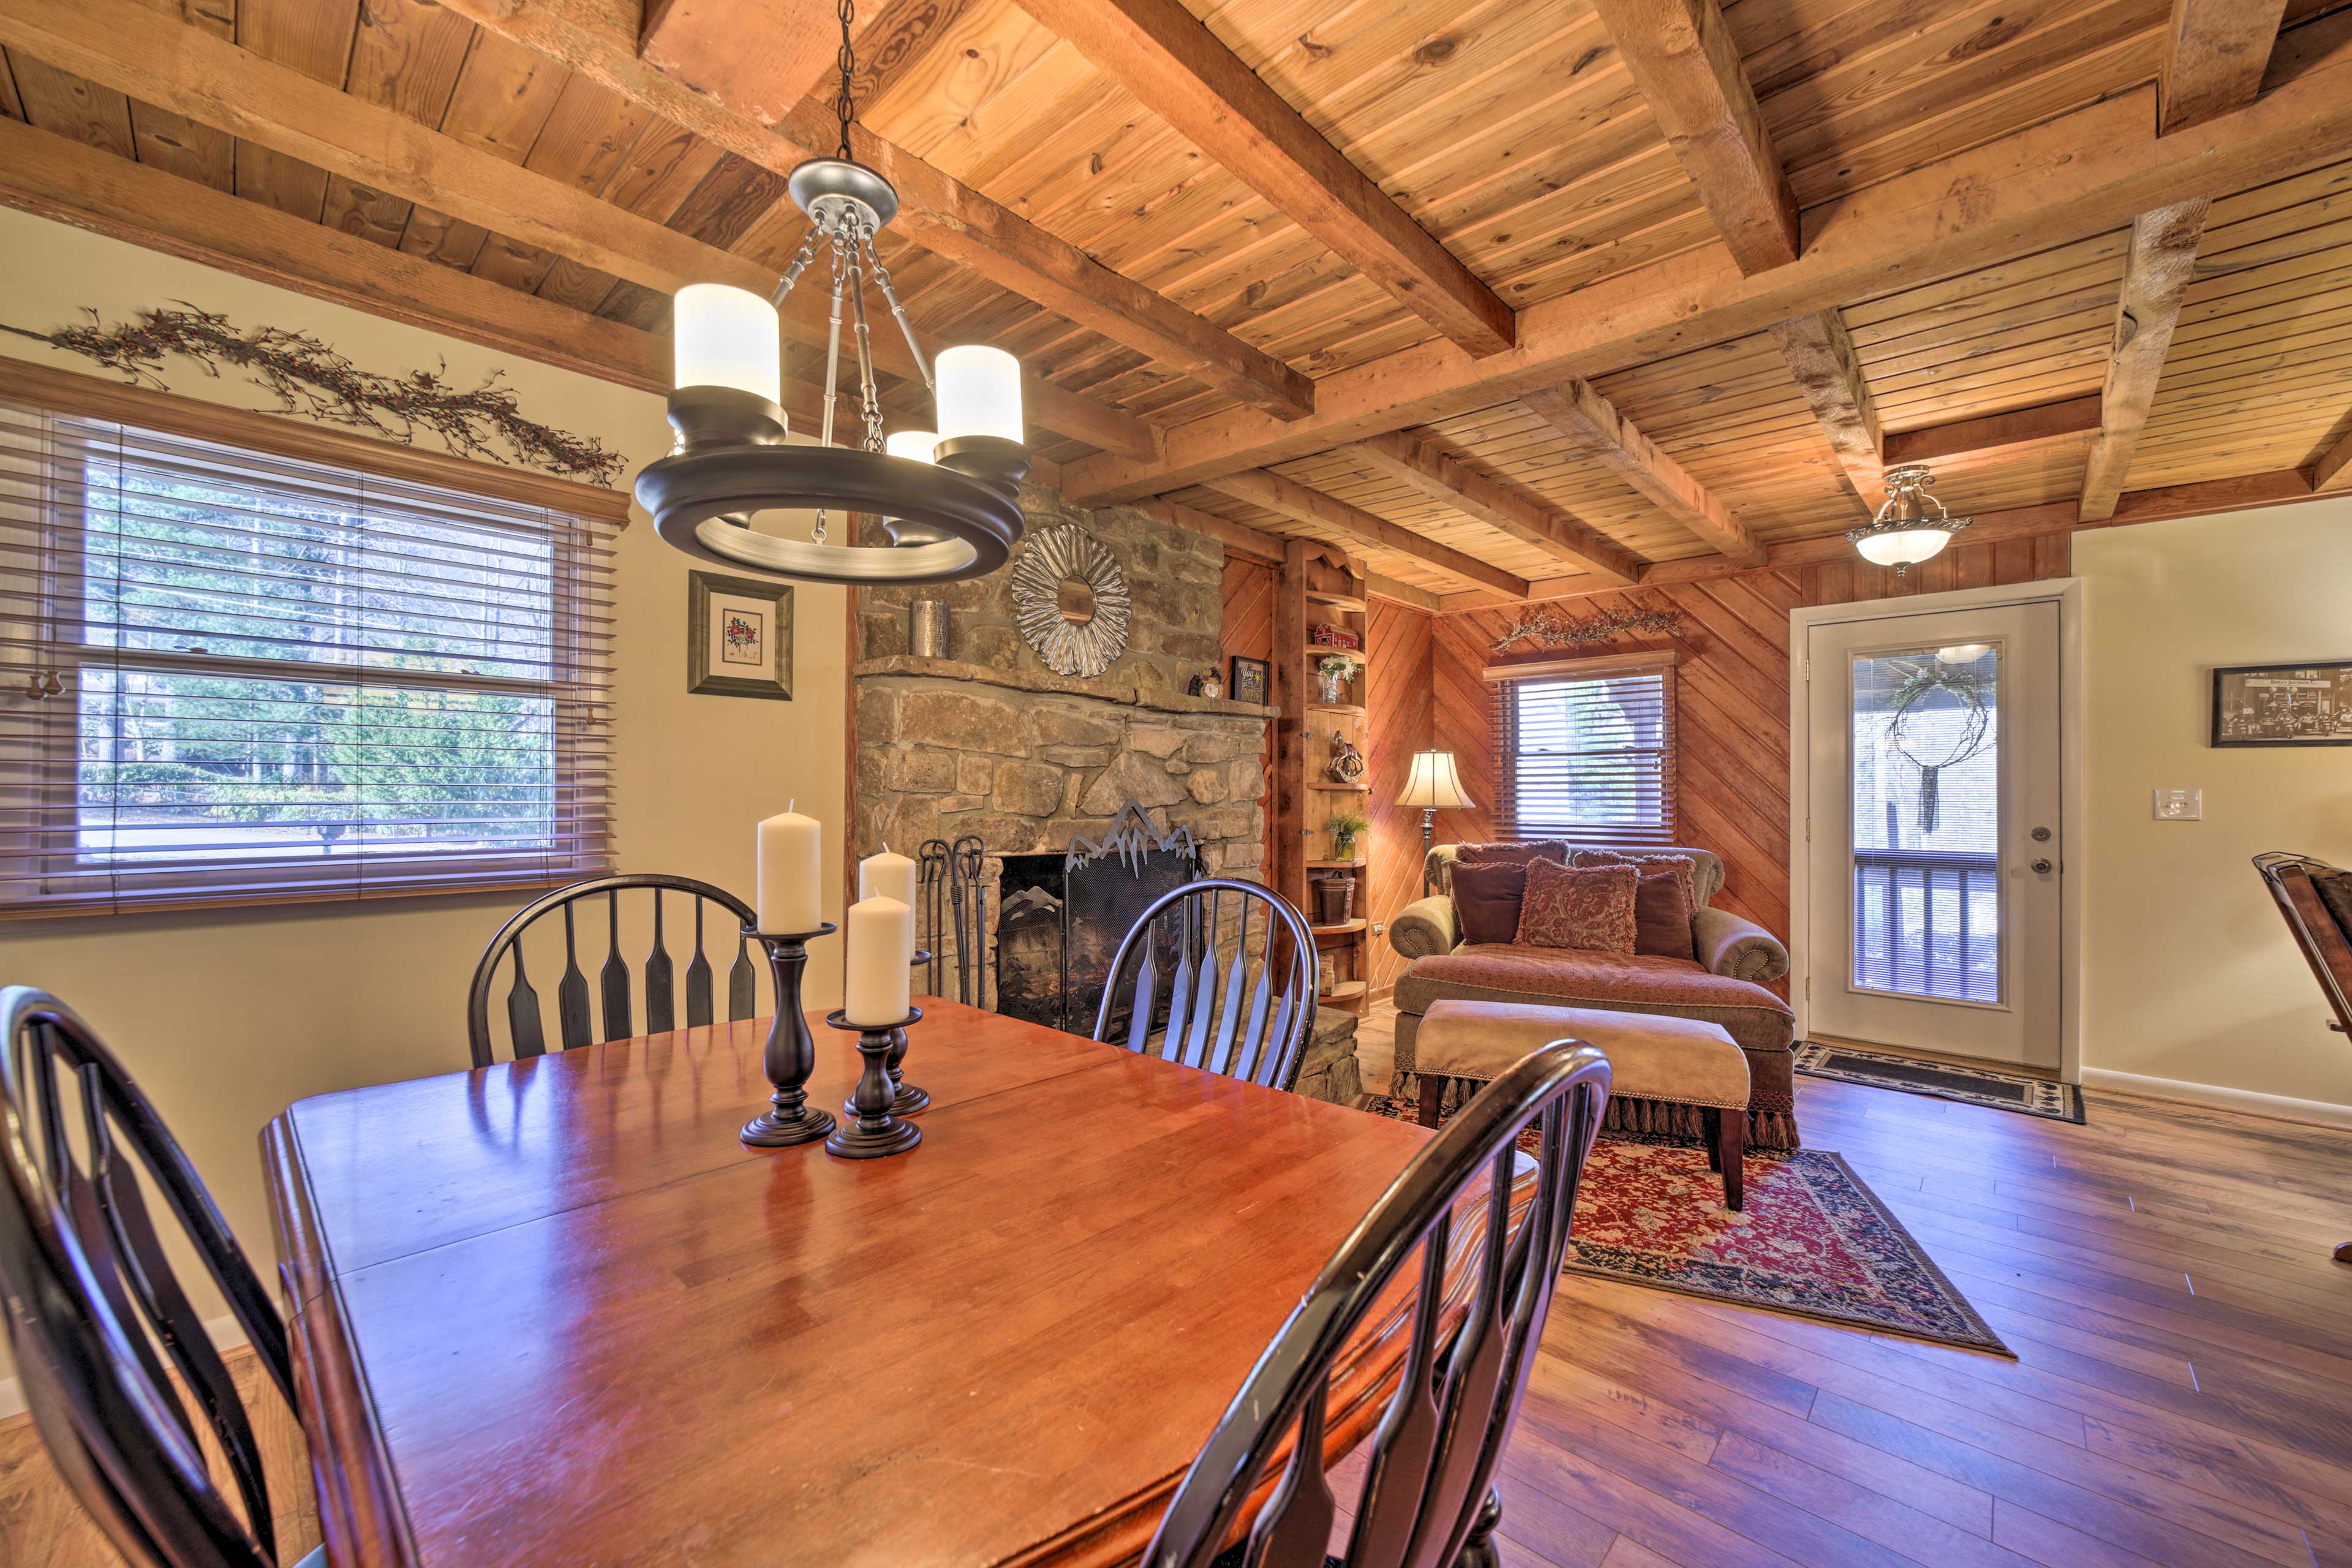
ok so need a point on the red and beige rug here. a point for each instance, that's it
(1813, 1240)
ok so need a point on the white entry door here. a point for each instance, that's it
(1935, 846)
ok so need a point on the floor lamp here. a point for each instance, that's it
(1434, 786)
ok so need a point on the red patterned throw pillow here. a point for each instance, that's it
(1588, 908)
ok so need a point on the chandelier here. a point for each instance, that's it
(948, 498)
(1903, 534)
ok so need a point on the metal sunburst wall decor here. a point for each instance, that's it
(1070, 601)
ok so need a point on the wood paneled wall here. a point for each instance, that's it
(1249, 610)
(1731, 691)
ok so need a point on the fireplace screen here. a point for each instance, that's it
(1065, 915)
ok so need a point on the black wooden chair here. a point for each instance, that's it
(1427, 1498)
(94, 1310)
(1206, 1012)
(526, 1037)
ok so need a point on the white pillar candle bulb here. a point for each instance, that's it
(979, 392)
(727, 337)
(886, 876)
(915, 446)
(876, 988)
(791, 876)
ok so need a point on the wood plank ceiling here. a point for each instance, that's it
(1513, 297)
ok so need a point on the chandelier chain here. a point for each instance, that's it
(844, 102)
(801, 258)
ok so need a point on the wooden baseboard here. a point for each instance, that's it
(2245, 1101)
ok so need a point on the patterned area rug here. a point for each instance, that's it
(2017, 1091)
(1812, 1241)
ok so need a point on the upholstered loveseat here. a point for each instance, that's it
(1725, 984)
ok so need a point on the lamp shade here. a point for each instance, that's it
(1433, 783)
(1904, 547)
(727, 337)
(915, 446)
(979, 392)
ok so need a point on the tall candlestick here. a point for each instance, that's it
(881, 945)
(886, 876)
(792, 880)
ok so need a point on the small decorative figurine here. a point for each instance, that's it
(1346, 765)
(1209, 684)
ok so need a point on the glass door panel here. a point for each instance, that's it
(1927, 829)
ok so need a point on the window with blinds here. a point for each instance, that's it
(231, 677)
(1585, 749)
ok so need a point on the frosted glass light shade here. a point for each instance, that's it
(1903, 547)
(1433, 783)
(915, 446)
(727, 337)
(979, 392)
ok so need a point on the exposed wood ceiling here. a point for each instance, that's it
(1511, 298)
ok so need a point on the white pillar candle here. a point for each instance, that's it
(886, 876)
(881, 939)
(792, 879)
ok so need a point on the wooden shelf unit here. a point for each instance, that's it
(1317, 584)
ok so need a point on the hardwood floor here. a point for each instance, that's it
(2184, 1345)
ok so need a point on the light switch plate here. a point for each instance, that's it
(2180, 806)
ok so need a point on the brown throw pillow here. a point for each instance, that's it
(1486, 896)
(1665, 919)
(1509, 854)
(1589, 907)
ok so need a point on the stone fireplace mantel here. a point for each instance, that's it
(1039, 680)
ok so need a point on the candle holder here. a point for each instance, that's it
(791, 1053)
(877, 1132)
(906, 1100)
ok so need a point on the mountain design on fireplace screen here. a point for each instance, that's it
(1065, 915)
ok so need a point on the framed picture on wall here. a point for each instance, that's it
(2283, 705)
(1253, 680)
(738, 637)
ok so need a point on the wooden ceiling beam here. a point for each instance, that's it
(1178, 68)
(1441, 479)
(127, 46)
(1820, 354)
(2243, 492)
(2334, 469)
(2067, 419)
(1592, 421)
(598, 38)
(2215, 52)
(1686, 63)
(2079, 174)
(1280, 493)
(762, 55)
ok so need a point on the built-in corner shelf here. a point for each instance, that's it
(1346, 991)
(1344, 789)
(1317, 650)
(1344, 603)
(1335, 864)
(1347, 928)
(1346, 709)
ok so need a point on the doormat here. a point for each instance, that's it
(1813, 1241)
(2014, 1091)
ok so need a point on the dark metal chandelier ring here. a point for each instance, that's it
(949, 524)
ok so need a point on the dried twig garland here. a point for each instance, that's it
(1552, 628)
(313, 380)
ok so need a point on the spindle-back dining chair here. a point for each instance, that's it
(1201, 935)
(94, 1310)
(526, 1035)
(1427, 1498)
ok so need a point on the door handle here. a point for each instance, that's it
(2043, 866)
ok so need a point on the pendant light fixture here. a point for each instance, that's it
(950, 499)
(1903, 534)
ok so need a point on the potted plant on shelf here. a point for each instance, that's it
(1344, 826)
(1336, 670)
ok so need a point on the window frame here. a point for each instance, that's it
(1506, 680)
(577, 524)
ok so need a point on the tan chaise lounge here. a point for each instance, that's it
(1724, 987)
(1674, 1061)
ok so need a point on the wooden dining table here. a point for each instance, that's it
(551, 1311)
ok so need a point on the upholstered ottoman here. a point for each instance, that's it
(1675, 1061)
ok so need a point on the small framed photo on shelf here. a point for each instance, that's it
(1253, 681)
(738, 637)
(2283, 705)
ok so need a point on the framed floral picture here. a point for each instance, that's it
(738, 637)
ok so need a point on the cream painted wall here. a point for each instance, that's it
(225, 1018)
(2190, 976)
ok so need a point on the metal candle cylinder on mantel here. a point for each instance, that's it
(926, 628)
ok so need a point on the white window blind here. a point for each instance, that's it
(229, 677)
(1585, 749)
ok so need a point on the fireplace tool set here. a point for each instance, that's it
(950, 887)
